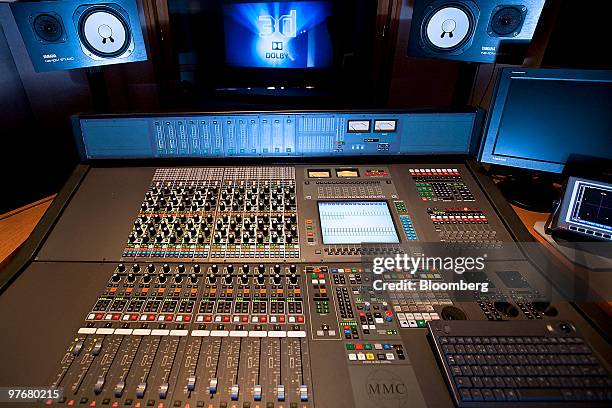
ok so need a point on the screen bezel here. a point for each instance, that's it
(563, 218)
(498, 101)
(397, 234)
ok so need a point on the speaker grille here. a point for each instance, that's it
(448, 27)
(507, 21)
(104, 31)
(48, 28)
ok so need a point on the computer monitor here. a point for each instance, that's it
(540, 119)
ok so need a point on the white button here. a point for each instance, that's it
(390, 356)
(179, 333)
(124, 332)
(258, 333)
(404, 323)
(378, 320)
(320, 333)
(105, 330)
(141, 332)
(91, 316)
(295, 334)
(412, 323)
(200, 333)
(332, 333)
(160, 332)
(291, 319)
(87, 330)
(239, 333)
(378, 346)
(219, 333)
(277, 333)
(352, 356)
(361, 356)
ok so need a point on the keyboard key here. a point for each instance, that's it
(540, 394)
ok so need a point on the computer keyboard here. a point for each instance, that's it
(519, 363)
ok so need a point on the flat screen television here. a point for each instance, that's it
(313, 45)
(278, 34)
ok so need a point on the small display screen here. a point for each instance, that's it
(513, 279)
(593, 205)
(293, 34)
(356, 222)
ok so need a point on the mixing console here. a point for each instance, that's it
(237, 213)
(256, 286)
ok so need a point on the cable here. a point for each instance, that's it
(488, 85)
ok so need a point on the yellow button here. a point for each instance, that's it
(370, 356)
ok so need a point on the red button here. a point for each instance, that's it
(281, 319)
(168, 318)
(226, 319)
(321, 276)
(263, 319)
(99, 316)
(151, 317)
(358, 346)
(133, 317)
(361, 314)
(245, 319)
(300, 319)
(208, 318)
(116, 317)
(187, 318)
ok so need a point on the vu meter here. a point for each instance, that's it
(358, 126)
(385, 125)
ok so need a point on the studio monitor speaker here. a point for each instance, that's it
(70, 34)
(474, 30)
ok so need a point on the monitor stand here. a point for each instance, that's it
(533, 192)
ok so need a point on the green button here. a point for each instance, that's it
(313, 275)
(420, 323)
(367, 347)
(350, 346)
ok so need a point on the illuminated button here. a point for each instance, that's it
(370, 356)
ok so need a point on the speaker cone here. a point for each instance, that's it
(48, 28)
(104, 31)
(507, 20)
(448, 28)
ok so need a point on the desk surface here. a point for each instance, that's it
(17, 225)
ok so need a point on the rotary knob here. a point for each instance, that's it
(121, 267)
(181, 268)
(162, 278)
(136, 268)
(193, 278)
(196, 268)
(260, 279)
(131, 277)
(277, 279)
(151, 268)
(244, 278)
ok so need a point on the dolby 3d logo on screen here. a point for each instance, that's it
(284, 26)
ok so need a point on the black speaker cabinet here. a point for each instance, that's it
(474, 30)
(72, 34)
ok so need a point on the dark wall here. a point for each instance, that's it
(418, 82)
